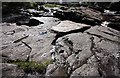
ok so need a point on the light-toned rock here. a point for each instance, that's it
(86, 70)
(105, 32)
(66, 26)
(11, 70)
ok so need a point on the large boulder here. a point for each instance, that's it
(92, 53)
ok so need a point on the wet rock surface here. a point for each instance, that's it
(78, 40)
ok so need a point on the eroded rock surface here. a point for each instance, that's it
(11, 70)
(26, 43)
(75, 49)
(92, 53)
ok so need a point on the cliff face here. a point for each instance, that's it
(66, 42)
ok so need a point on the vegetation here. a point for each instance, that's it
(30, 66)
(52, 5)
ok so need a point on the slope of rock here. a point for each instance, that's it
(92, 53)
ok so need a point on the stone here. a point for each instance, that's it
(42, 55)
(85, 70)
(105, 32)
(88, 54)
(71, 59)
(34, 22)
(17, 51)
(77, 51)
(27, 43)
(60, 71)
(81, 15)
(53, 70)
(77, 45)
(11, 70)
(50, 69)
(67, 26)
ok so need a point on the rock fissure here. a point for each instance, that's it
(93, 52)
(18, 40)
(30, 50)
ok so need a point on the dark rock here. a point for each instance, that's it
(90, 21)
(64, 8)
(31, 22)
(115, 26)
(34, 22)
(82, 15)
(16, 19)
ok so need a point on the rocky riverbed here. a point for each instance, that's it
(61, 42)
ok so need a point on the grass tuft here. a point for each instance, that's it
(32, 65)
(52, 5)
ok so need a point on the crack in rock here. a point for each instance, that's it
(92, 50)
(29, 48)
(18, 40)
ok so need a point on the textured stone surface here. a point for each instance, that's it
(11, 70)
(75, 49)
(67, 26)
(92, 53)
(106, 33)
(27, 43)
